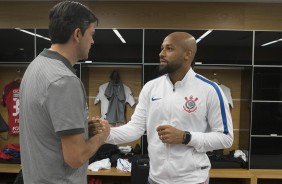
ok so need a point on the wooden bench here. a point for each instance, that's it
(10, 168)
(266, 174)
(245, 174)
(250, 176)
(108, 172)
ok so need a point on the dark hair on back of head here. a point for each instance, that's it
(65, 17)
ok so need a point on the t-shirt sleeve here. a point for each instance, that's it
(67, 106)
(98, 96)
(129, 96)
(227, 93)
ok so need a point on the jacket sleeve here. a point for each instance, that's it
(135, 128)
(219, 119)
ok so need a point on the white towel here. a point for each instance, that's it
(124, 165)
(125, 149)
(241, 154)
(101, 164)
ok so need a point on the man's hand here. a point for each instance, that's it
(96, 126)
(104, 131)
(77, 150)
(169, 134)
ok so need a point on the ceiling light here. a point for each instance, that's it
(119, 35)
(279, 40)
(33, 34)
(203, 36)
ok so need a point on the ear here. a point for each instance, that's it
(77, 34)
(188, 54)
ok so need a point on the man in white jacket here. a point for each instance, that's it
(185, 115)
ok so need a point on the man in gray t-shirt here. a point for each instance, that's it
(55, 147)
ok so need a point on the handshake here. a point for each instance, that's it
(98, 126)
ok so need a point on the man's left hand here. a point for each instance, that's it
(169, 134)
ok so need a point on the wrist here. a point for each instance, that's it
(186, 137)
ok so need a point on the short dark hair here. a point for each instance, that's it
(65, 17)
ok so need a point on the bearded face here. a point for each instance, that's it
(171, 63)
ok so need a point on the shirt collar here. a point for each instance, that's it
(187, 77)
(55, 55)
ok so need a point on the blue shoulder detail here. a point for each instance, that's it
(223, 113)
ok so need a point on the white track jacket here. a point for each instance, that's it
(194, 104)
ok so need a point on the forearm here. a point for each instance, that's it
(77, 150)
(125, 134)
(92, 145)
(204, 142)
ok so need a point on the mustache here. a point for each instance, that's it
(163, 60)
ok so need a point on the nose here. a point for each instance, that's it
(161, 53)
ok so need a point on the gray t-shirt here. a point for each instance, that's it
(52, 104)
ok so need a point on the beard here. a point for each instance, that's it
(163, 69)
(168, 68)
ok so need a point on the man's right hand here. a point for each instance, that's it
(98, 126)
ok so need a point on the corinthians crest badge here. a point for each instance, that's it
(190, 104)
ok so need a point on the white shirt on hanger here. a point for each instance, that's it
(105, 102)
(227, 92)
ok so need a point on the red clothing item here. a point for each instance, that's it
(95, 181)
(14, 147)
(11, 100)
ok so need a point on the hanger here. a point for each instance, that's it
(18, 77)
(115, 77)
(215, 79)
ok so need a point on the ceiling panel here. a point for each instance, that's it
(230, 1)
